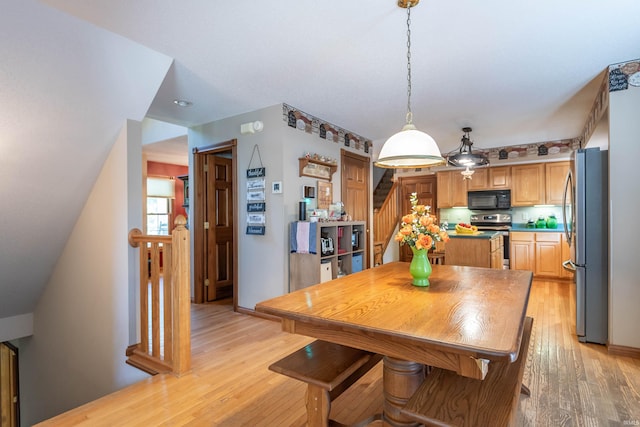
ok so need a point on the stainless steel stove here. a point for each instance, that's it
(498, 221)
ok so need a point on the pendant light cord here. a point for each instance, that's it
(409, 114)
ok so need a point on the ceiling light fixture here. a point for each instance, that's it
(182, 103)
(409, 148)
(463, 156)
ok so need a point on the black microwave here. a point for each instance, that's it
(489, 199)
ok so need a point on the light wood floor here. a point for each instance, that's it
(572, 384)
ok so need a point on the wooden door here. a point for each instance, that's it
(426, 190)
(355, 191)
(213, 224)
(9, 396)
(220, 236)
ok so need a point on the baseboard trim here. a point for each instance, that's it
(621, 350)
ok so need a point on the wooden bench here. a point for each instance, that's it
(328, 369)
(448, 399)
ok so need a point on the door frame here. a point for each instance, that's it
(197, 206)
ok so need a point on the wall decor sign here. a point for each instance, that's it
(256, 193)
(312, 125)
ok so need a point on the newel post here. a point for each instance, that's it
(180, 267)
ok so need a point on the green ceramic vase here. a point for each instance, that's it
(420, 267)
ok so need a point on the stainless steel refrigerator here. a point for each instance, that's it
(586, 218)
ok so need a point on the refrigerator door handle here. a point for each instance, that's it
(569, 265)
(568, 231)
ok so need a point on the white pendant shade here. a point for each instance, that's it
(409, 148)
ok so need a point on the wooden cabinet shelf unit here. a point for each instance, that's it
(349, 247)
(452, 189)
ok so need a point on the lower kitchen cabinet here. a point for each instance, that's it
(548, 255)
(521, 254)
(539, 252)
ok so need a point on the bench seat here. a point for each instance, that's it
(448, 399)
(328, 369)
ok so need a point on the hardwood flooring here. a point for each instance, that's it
(572, 384)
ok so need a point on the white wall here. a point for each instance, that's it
(263, 264)
(624, 176)
(81, 331)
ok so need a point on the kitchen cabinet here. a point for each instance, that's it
(539, 252)
(475, 251)
(528, 184)
(548, 255)
(492, 178)
(555, 175)
(452, 189)
(522, 249)
(348, 252)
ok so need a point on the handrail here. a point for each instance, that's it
(385, 219)
(165, 322)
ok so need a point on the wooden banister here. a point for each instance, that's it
(165, 321)
(386, 218)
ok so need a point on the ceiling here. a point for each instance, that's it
(516, 72)
(72, 71)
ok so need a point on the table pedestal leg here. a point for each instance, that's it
(401, 379)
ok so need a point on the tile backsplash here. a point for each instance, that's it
(519, 215)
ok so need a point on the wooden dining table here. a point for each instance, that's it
(466, 319)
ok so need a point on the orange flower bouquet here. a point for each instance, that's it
(419, 229)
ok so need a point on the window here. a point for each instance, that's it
(158, 214)
(160, 192)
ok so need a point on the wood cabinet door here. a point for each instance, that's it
(528, 186)
(444, 190)
(500, 177)
(479, 180)
(548, 255)
(458, 189)
(521, 254)
(555, 175)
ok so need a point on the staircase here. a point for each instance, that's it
(385, 214)
(382, 189)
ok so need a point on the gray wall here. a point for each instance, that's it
(624, 176)
(81, 322)
(263, 264)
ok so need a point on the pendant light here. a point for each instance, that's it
(463, 156)
(409, 148)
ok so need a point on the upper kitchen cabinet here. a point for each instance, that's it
(493, 178)
(555, 175)
(452, 189)
(528, 184)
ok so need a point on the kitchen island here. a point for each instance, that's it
(479, 249)
(467, 320)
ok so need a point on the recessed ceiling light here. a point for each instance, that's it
(182, 103)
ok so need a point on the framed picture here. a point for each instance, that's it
(325, 194)
(276, 187)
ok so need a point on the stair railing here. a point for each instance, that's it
(386, 218)
(165, 297)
